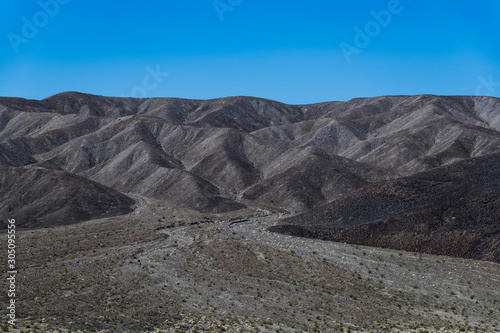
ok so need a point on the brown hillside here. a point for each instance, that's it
(452, 210)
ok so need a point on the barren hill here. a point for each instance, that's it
(154, 214)
(38, 197)
(225, 154)
(451, 210)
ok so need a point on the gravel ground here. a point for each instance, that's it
(153, 272)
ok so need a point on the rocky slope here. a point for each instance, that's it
(192, 250)
(37, 197)
(451, 210)
(222, 155)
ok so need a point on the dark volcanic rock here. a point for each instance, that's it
(452, 210)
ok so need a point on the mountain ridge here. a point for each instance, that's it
(233, 153)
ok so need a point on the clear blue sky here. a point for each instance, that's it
(291, 51)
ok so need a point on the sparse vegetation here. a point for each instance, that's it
(155, 215)
(213, 280)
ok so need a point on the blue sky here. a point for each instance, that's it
(292, 51)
